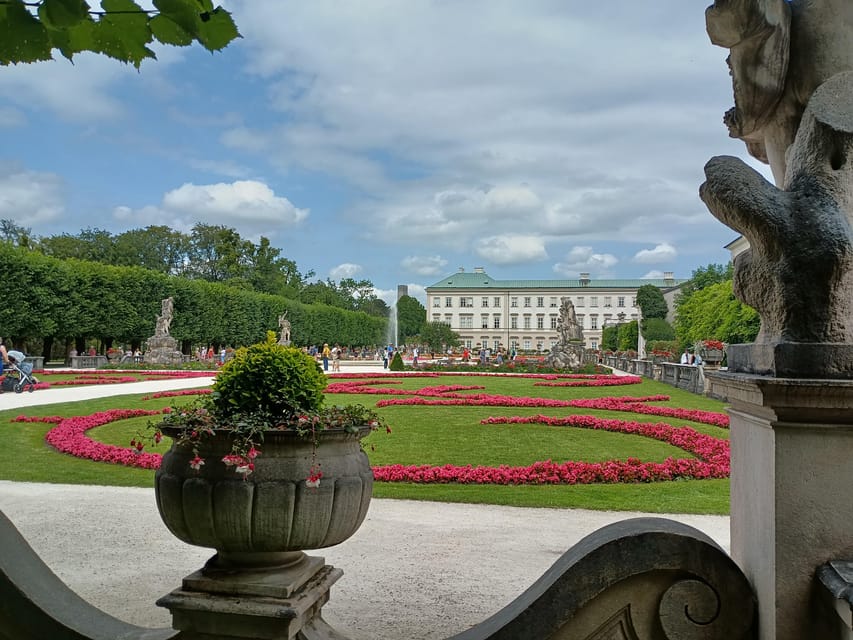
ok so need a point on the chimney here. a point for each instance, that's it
(668, 277)
(461, 269)
(584, 280)
(479, 270)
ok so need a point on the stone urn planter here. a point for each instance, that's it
(260, 524)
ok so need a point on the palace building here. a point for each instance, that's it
(523, 313)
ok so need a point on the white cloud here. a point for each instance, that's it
(424, 265)
(584, 259)
(30, 197)
(664, 252)
(345, 270)
(653, 275)
(511, 249)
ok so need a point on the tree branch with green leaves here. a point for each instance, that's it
(30, 31)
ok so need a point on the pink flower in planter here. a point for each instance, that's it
(196, 463)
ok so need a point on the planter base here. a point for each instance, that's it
(202, 613)
(280, 581)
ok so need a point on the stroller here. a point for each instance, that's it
(20, 374)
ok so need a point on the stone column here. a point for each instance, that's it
(792, 474)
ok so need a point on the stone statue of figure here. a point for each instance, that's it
(164, 320)
(284, 325)
(567, 324)
(792, 71)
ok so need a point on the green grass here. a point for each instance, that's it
(428, 435)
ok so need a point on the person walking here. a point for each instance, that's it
(326, 353)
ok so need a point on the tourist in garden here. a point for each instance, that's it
(414, 356)
(686, 357)
(326, 353)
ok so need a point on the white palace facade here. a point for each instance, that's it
(523, 313)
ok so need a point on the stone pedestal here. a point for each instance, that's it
(162, 350)
(792, 474)
(211, 606)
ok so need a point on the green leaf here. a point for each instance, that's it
(182, 13)
(60, 14)
(74, 39)
(123, 32)
(22, 37)
(218, 30)
(168, 31)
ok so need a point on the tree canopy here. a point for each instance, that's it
(121, 29)
(411, 316)
(651, 302)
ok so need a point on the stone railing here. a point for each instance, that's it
(36, 361)
(87, 362)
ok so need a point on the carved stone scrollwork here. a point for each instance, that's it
(647, 578)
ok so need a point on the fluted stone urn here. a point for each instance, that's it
(260, 525)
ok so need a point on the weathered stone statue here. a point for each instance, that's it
(568, 352)
(790, 64)
(161, 348)
(164, 320)
(284, 326)
(791, 392)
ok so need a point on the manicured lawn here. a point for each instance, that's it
(431, 435)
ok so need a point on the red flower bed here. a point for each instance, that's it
(597, 381)
(69, 436)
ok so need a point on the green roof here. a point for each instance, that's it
(482, 280)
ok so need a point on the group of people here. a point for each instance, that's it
(690, 358)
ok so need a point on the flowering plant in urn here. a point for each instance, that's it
(261, 469)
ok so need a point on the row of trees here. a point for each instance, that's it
(212, 253)
(51, 304)
(705, 309)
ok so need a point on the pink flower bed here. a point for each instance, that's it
(712, 461)
(69, 436)
(597, 381)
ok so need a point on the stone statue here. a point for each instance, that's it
(567, 324)
(568, 352)
(284, 325)
(791, 67)
(164, 320)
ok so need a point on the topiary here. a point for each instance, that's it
(271, 380)
(397, 362)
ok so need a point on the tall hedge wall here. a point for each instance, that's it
(45, 298)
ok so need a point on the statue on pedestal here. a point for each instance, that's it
(284, 326)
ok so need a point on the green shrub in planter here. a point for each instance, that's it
(269, 379)
(397, 363)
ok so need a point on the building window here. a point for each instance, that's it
(607, 301)
(539, 345)
(466, 302)
(580, 301)
(497, 322)
(527, 345)
(540, 322)
(436, 302)
(580, 320)
(620, 301)
(513, 322)
(484, 321)
(496, 344)
(436, 317)
(634, 302)
(526, 301)
(526, 322)
(595, 344)
(448, 301)
(496, 302)
(448, 319)
(468, 343)
(540, 301)
(513, 302)
(553, 301)
(553, 322)
(484, 302)
(593, 301)
(466, 322)
(593, 322)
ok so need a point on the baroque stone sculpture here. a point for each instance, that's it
(568, 352)
(162, 348)
(791, 68)
(284, 326)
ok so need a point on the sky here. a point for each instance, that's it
(395, 141)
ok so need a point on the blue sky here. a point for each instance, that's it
(395, 141)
